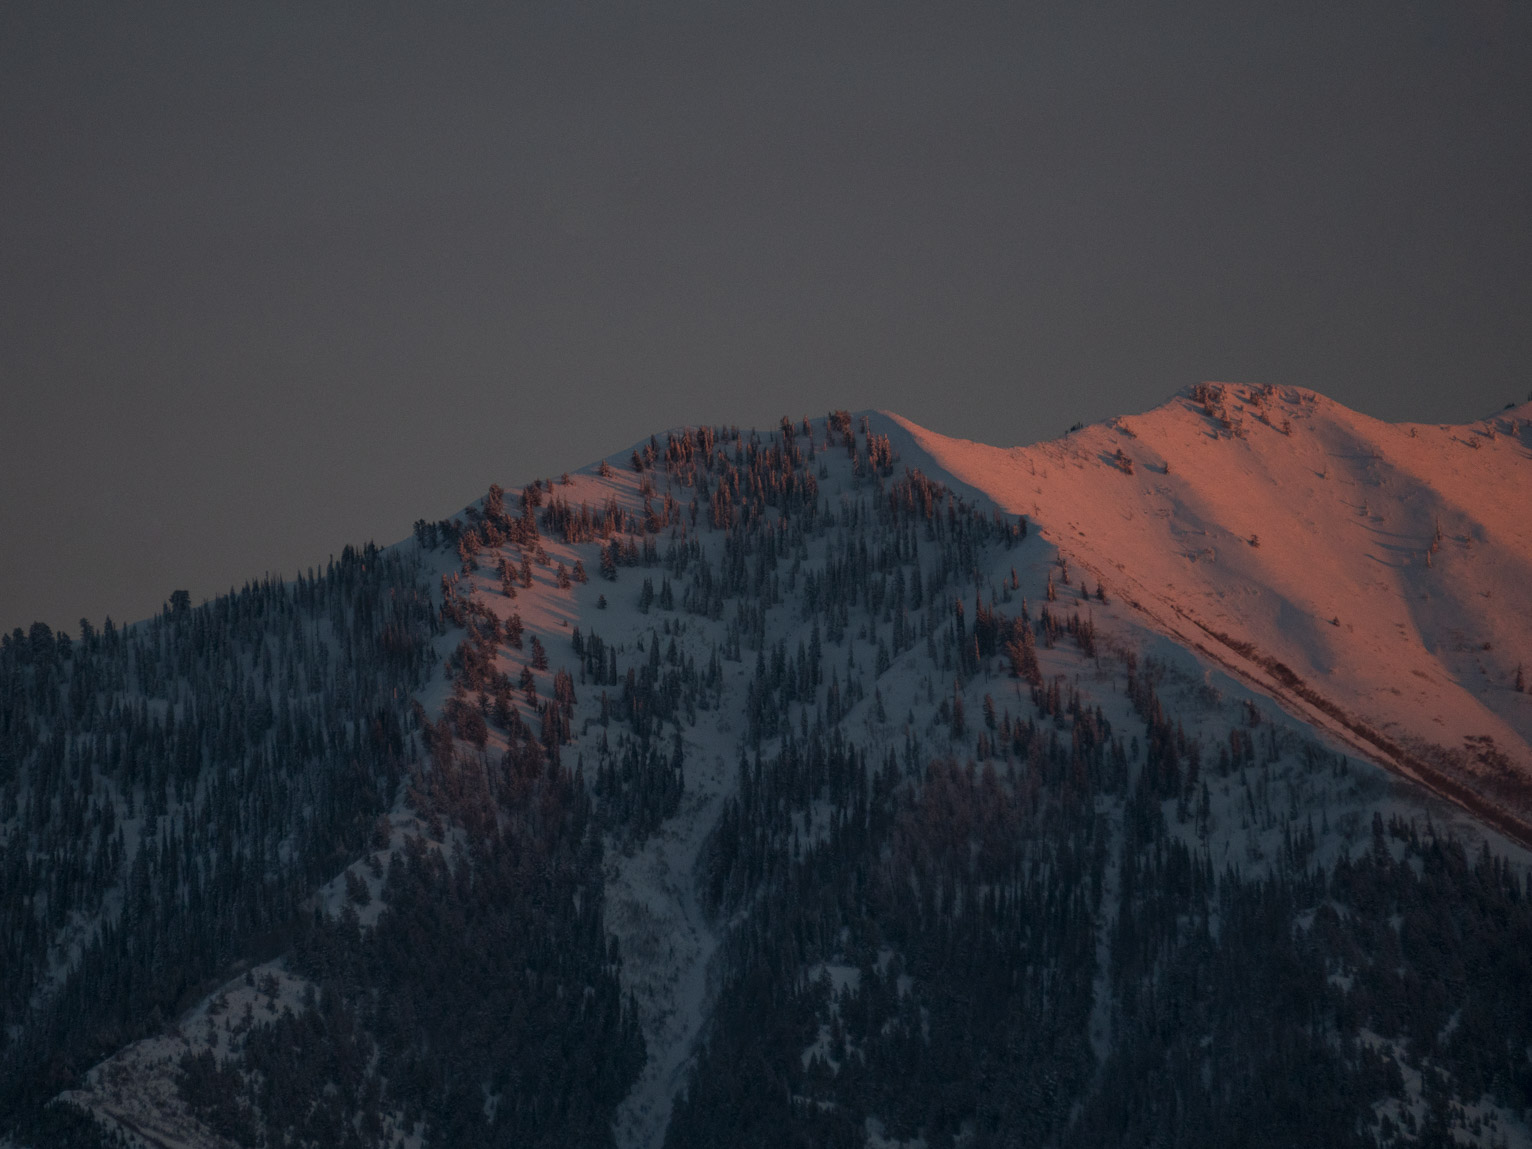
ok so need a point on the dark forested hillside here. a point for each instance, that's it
(172, 793)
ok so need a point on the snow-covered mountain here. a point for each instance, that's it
(1374, 578)
(841, 783)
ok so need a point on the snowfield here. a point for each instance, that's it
(1374, 578)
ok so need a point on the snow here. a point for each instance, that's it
(136, 1090)
(1314, 548)
(667, 948)
(1482, 1122)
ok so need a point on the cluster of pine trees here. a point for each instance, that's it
(172, 793)
(996, 997)
(483, 1007)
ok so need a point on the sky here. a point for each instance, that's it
(278, 278)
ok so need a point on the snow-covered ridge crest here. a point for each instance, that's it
(1375, 578)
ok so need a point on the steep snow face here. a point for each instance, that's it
(1376, 578)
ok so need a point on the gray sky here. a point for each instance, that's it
(278, 278)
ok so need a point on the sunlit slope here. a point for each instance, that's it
(1375, 577)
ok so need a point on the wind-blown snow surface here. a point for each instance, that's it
(1375, 578)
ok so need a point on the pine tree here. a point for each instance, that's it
(1023, 655)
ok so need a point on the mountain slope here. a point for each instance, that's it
(1376, 578)
(758, 788)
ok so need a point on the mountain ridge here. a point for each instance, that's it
(1389, 595)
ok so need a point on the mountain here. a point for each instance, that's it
(840, 784)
